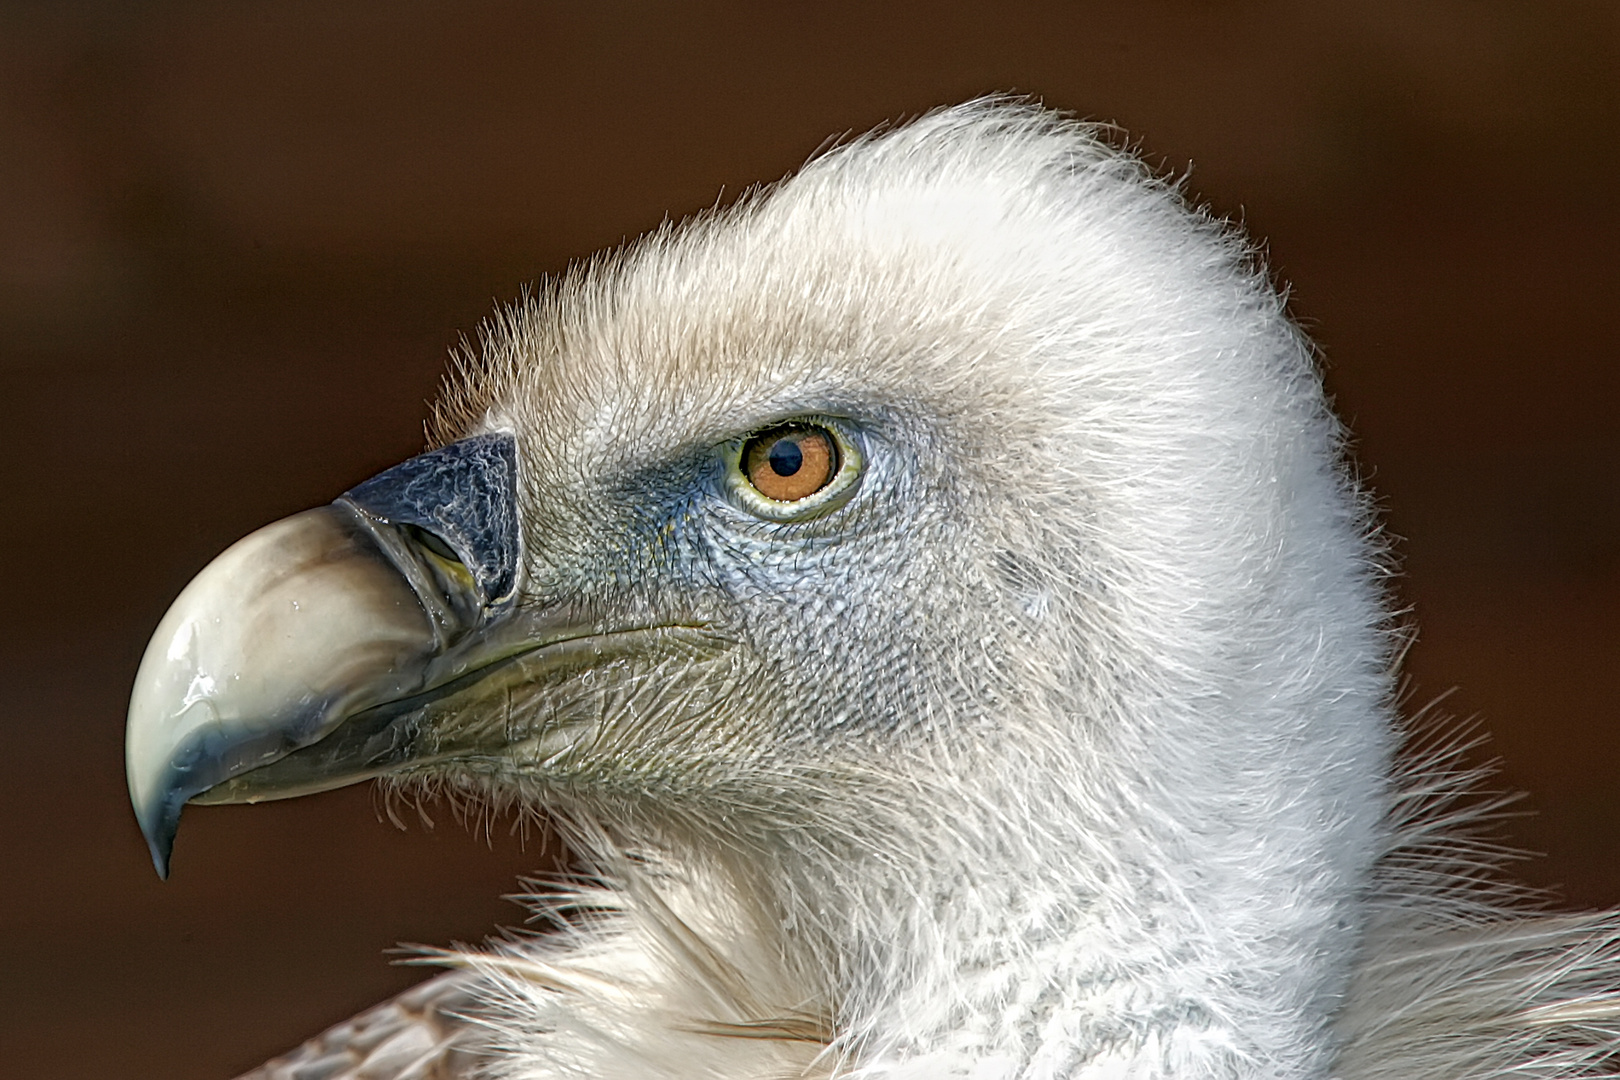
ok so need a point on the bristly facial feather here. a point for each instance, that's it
(1062, 742)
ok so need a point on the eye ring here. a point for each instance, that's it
(793, 470)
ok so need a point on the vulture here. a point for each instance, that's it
(932, 598)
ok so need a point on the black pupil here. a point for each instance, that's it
(785, 457)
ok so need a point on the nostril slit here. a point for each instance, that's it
(433, 542)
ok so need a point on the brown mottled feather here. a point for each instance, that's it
(423, 1034)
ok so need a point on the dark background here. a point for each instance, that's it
(237, 239)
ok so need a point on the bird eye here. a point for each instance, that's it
(795, 470)
(790, 463)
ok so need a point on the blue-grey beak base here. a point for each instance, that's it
(466, 494)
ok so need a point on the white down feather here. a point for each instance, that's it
(1127, 806)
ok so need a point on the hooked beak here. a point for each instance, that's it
(312, 653)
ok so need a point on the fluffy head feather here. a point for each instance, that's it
(1063, 742)
(1063, 747)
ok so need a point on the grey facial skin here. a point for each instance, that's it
(308, 654)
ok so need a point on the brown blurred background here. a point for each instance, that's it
(236, 240)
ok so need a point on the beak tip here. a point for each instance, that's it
(159, 824)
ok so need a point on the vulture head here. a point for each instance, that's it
(931, 596)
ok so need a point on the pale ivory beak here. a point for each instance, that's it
(402, 587)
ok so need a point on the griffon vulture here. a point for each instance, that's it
(932, 597)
